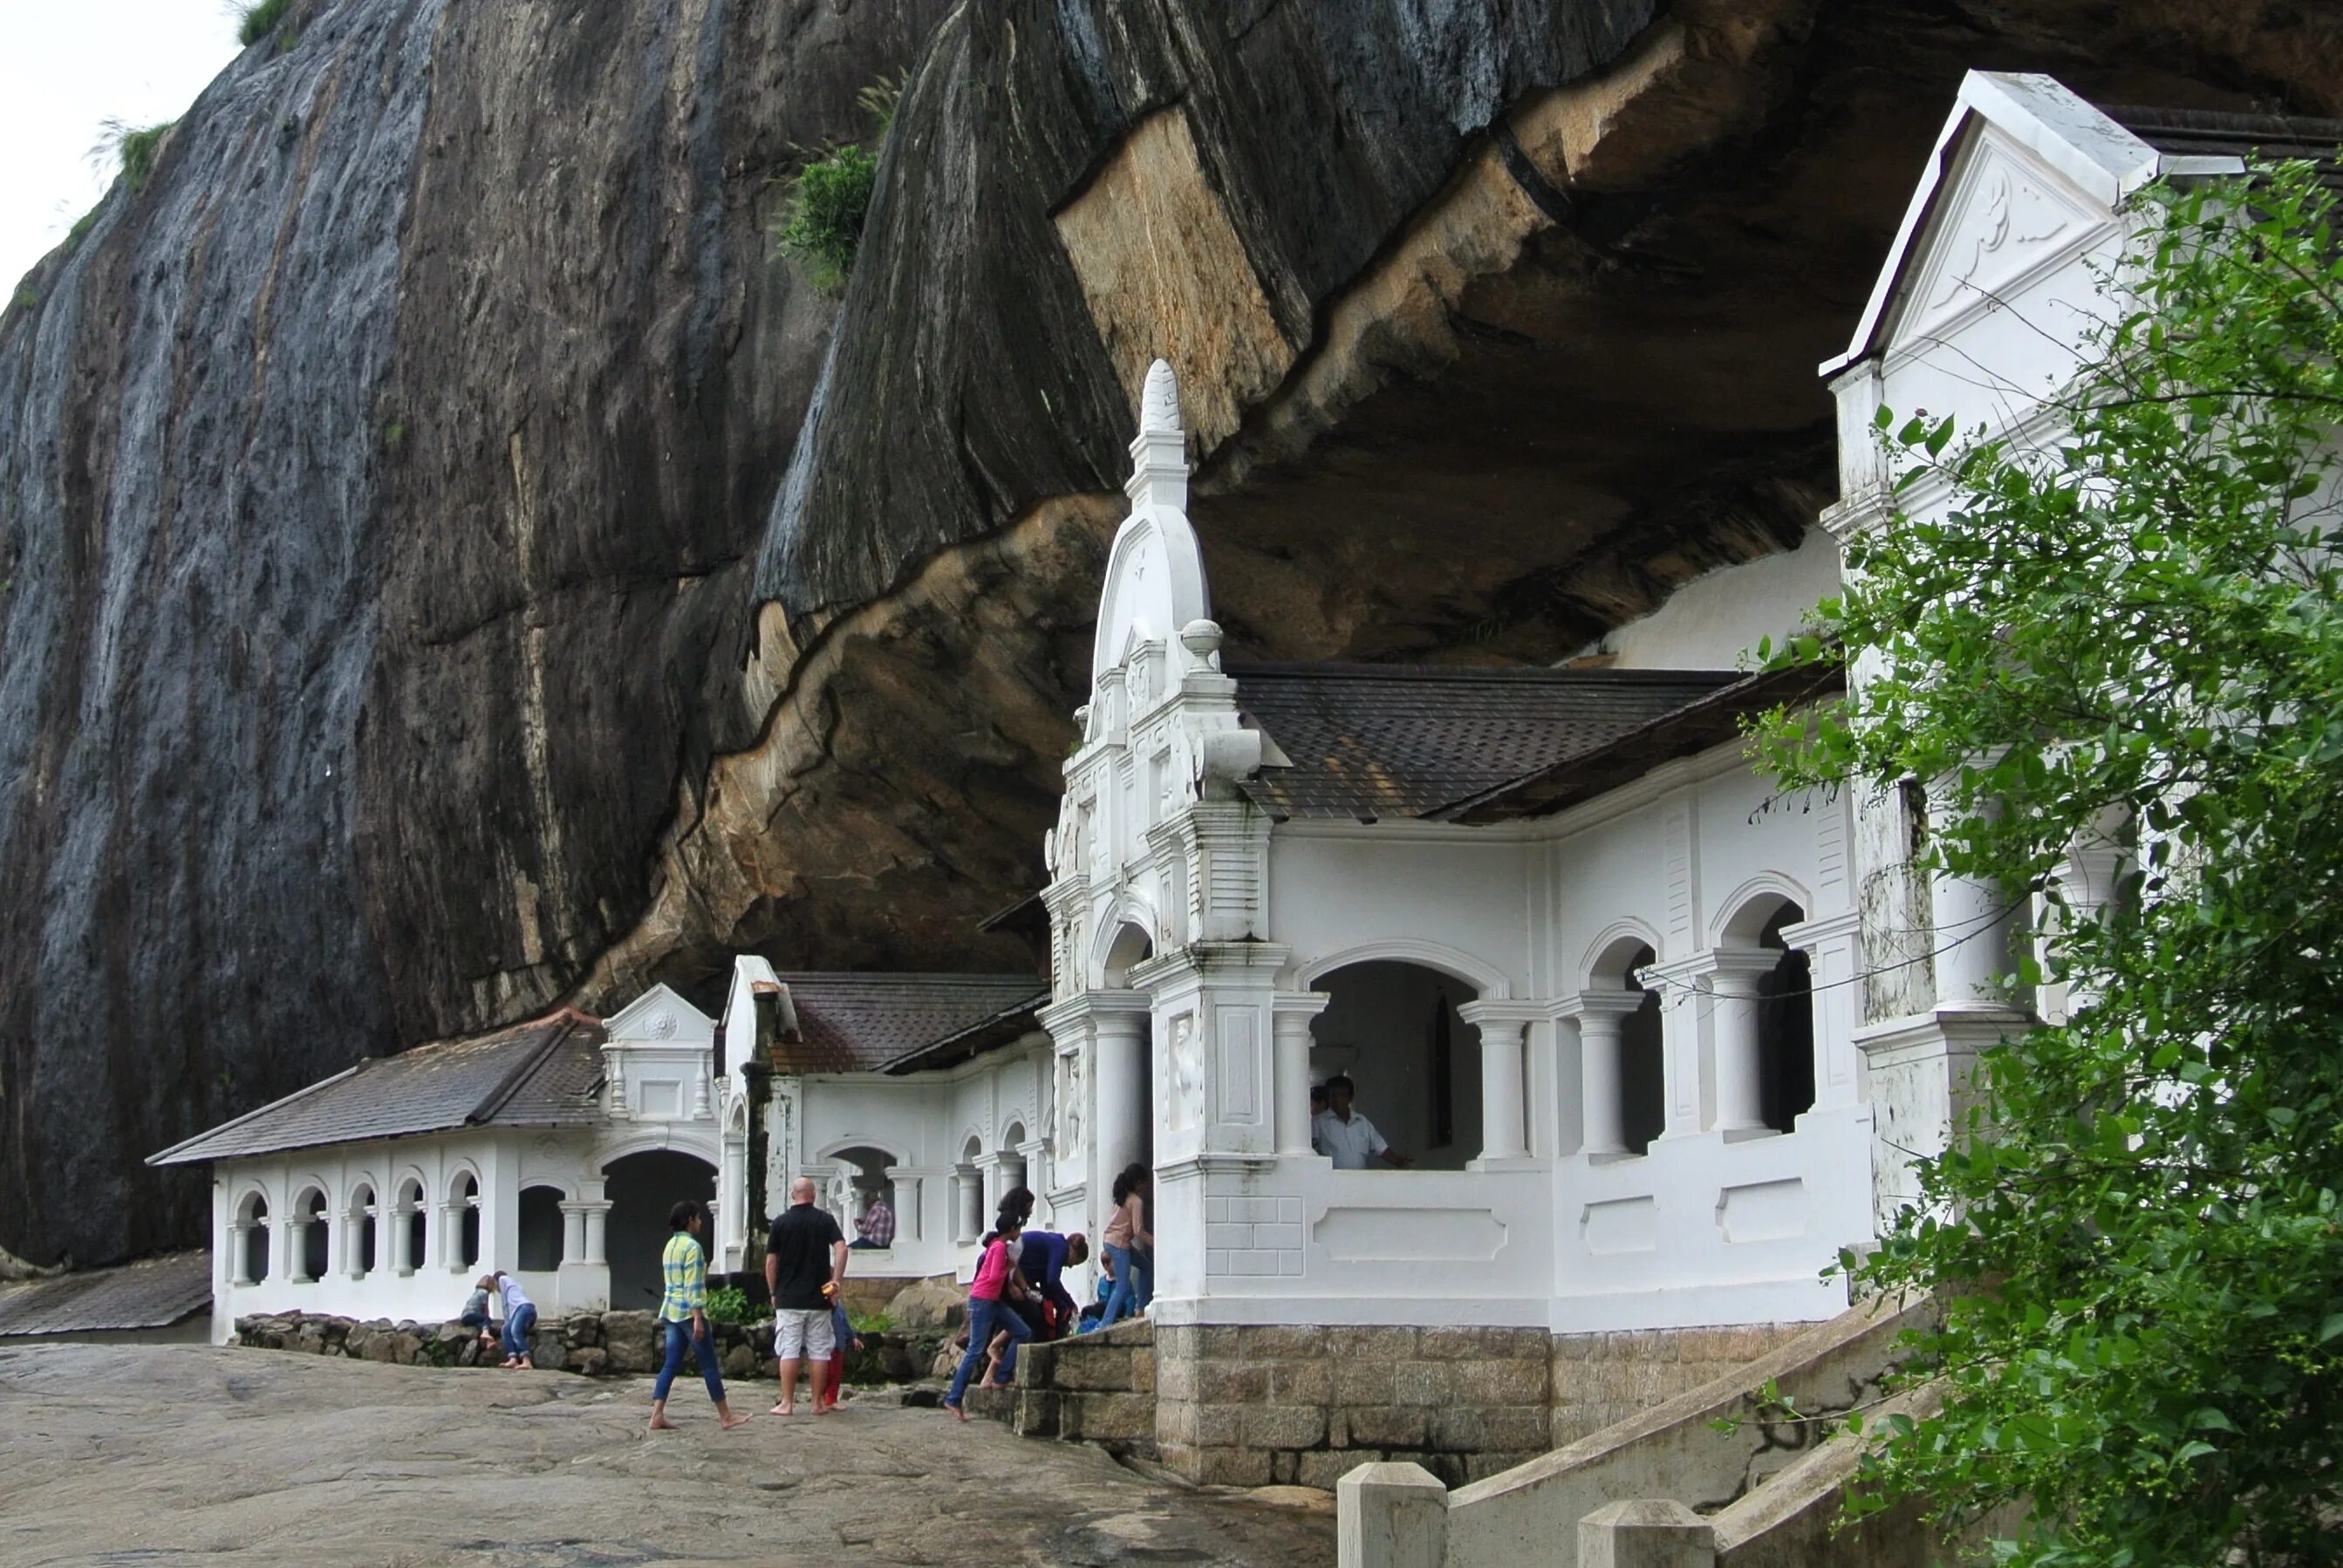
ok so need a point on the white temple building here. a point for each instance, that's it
(1659, 1038)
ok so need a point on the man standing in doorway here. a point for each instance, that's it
(805, 1260)
(1347, 1138)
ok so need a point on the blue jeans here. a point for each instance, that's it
(1134, 1284)
(703, 1351)
(516, 1330)
(986, 1318)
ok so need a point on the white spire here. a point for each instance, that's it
(1159, 406)
(1159, 453)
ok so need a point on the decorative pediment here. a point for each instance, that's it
(660, 1018)
(2005, 214)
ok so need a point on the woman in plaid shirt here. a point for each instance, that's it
(684, 1267)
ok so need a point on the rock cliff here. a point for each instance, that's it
(451, 566)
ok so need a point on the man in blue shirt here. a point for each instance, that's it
(1044, 1258)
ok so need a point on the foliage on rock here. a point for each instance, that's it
(727, 1304)
(2139, 622)
(136, 147)
(260, 20)
(822, 228)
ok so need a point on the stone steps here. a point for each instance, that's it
(1095, 1388)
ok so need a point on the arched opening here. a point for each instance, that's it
(411, 1227)
(1391, 1028)
(968, 1192)
(1012, 1164)
(643, 1189)
(360, 1235)
(468, 1221)
(315, 1239)
(250, 1239)
(540, 1229)
(1129, 948)
(1641, 1080)
(1786, 1027)
(866, 1183)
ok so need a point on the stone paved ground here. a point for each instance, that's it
(185, 1454)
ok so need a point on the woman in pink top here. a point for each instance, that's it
(989, 1313)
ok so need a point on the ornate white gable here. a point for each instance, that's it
(2006, 214)
(655, 1060)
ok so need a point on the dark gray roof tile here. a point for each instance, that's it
(857, 1022)
(153, 1294)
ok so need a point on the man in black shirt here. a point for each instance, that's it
(805, 1259)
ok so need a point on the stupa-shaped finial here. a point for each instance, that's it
(1159, 406)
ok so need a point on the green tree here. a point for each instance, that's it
(2135, 622)
(829, 200)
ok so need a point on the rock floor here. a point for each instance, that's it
(170, 1454)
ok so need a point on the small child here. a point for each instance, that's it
(842, 1339)
(475, 1316)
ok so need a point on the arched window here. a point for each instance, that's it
(1129, 950)
(540, 1229)
(1012, 1164)
(313, 1239)
(248, 1238)
(1393, 1029)
(1785, 1028)
(409, 1228)
(468, 1221)
(359, 1232)
(968, 1182)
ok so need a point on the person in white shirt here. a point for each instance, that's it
(1347, 1138)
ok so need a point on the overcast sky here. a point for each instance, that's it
(67, 66)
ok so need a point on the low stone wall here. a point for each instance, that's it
(1599, 1380)
(1260, 1405)
(622, 1344)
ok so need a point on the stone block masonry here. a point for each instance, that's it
(1251, 1406)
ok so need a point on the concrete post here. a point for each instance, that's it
(1391, 1517)
(1504, 1100)
(1121, 1074)
(1646, 1534)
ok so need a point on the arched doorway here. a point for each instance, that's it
(541, 1226)
(644, 1189)
(1391, 1027)
(1640, 1080)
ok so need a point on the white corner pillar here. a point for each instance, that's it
(1504, 1095)
(1391, 1516)
(1601, 1019)
(1121, 1030)
(1294, 1010)
(1646, 1534)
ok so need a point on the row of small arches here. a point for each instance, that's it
(541, 1238)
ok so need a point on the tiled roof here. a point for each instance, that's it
(2206, 133)
(856, 1022)
(153, 1294)
(1371, 741)
(538, 1074)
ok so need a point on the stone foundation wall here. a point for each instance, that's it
(1600, 1379)
(618, 1344)
(1256, 1406)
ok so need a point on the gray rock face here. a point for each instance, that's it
(412, 497)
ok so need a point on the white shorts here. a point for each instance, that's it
(802, 1336)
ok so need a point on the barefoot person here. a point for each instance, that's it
(994, 1331)
(521, 1319)
(805, 1260)
(683, 1313)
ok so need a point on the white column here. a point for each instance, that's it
(573, 1231)
(1732, 983)
(239, 1253)
(1504, 1099)
(1970, 923)
(1601, 1017)
(2087, 878)
(1291, 1023)
(598, 1234)
(1120, 1032)
(907, 1205)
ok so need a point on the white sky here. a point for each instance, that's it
(67, 66)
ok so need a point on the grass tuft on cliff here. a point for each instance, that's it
(260, 20)
(821, 227)
(136, 147)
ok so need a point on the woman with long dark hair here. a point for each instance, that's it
(1130, 1246)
